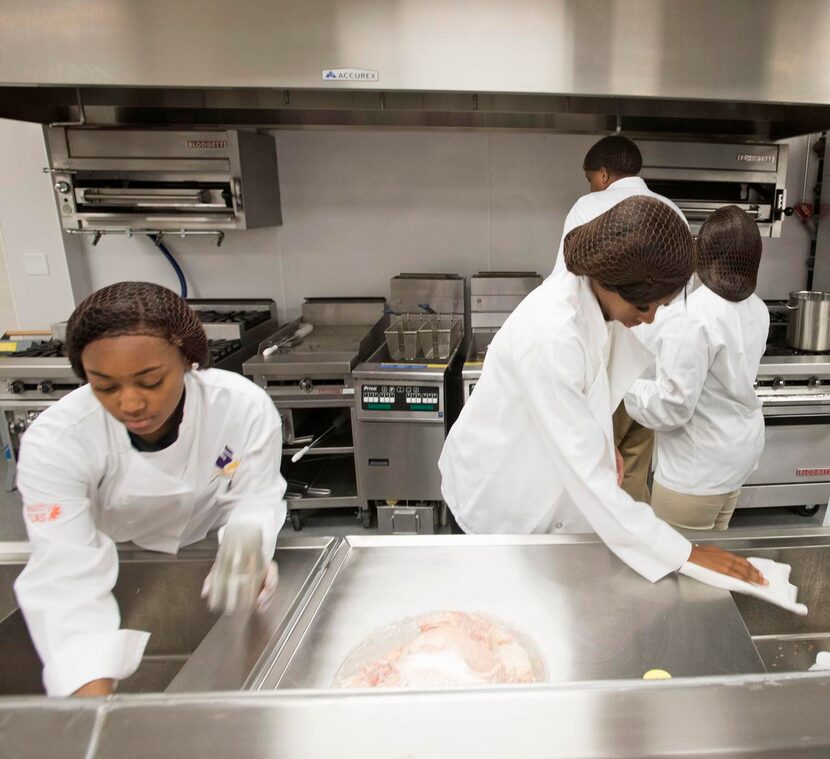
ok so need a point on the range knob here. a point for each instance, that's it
(17, 426)
(306, 384)
(46, 387)
(814, 383)
(62, 186)
(17, 387)
(778, 383)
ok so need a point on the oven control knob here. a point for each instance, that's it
(62, 187)
(814, 383)
(46, 387)
(17, 426)
(777, 383)
(306, 384)
(17, 387)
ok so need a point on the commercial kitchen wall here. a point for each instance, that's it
(47, 269)
(8, 310)
(362, 205)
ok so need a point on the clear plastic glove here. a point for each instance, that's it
(269, 587)
(240, 580)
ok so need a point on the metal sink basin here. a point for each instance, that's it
(160, 595)
(189, 648)
(785, 641)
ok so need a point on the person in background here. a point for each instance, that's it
(611, 166)
(156, 449)
(702, 403)
(532, 451)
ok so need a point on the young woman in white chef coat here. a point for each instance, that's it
(156, 449)
(533, 449)
(702, 402)
(611, 167)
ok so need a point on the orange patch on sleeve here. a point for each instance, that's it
(40, 513)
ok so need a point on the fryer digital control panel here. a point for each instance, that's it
(401, 398)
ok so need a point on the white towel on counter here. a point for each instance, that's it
(822, 662)
(780, 590)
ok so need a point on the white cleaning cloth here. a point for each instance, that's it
(822, 661)
(779, 591)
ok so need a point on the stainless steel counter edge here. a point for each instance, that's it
(273, 664)
(748, 537)
(235, 650)
(780, 715)
(20, 550)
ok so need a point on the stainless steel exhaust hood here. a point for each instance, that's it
(743, 68)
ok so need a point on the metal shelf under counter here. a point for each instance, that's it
(333, 472)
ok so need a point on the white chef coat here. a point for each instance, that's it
(85, 487)
(589, 206)
(533, 448)
(702, 403)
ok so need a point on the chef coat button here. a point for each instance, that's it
(558, 525)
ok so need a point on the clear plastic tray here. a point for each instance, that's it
(410, 654)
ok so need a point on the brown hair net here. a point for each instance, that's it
(640, 248)
(135, 308)
(729, 253)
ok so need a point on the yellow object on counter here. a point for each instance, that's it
(657, 674)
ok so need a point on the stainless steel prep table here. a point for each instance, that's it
(592, 617)
(731, 715)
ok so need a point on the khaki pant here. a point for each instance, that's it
(693, 512)
(636, 444)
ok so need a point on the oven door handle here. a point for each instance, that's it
(702, 211)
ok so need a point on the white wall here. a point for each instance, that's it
(8, 310)
(362, 205)
(46, 269)
(784, 262)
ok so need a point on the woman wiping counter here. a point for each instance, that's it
(533, 451)
(156, 449)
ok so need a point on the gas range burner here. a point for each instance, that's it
(779, 314)
(221, 349)
(35, 349)
(780, 348)
(247, 318)
(777, 346)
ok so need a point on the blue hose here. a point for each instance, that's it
(178, 269)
